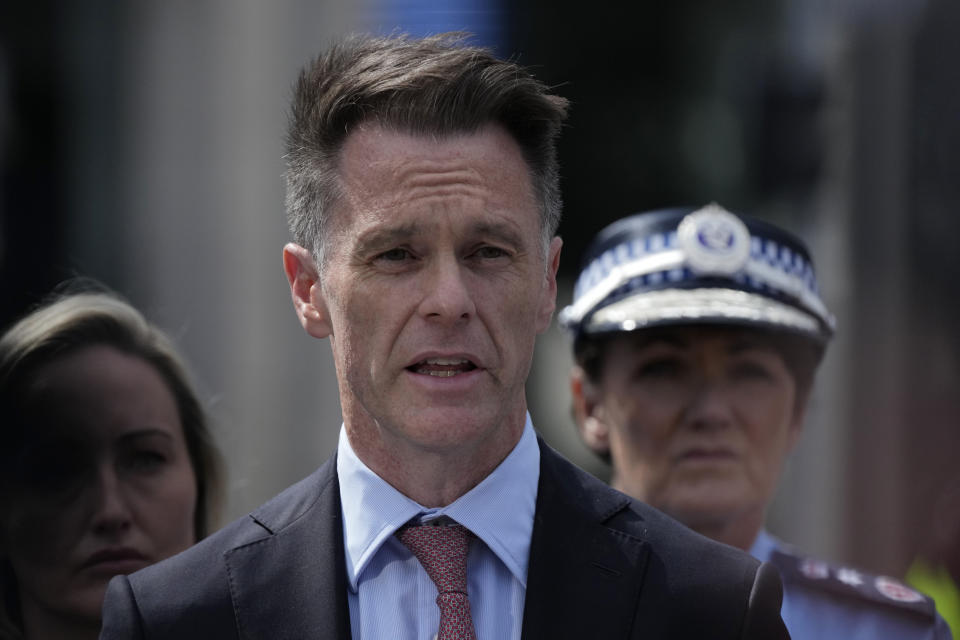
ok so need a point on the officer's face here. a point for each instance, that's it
(698, 420)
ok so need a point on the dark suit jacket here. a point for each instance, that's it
(602, 565)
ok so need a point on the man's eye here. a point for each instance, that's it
(490, 253)
(394, 255)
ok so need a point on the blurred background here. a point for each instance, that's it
(141, 144)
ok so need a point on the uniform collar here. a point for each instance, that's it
(764, 546)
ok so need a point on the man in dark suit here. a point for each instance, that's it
(422, 195)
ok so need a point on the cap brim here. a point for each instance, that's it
(702, 306)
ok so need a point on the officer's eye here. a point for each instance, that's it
(660, 368)
(751, 370)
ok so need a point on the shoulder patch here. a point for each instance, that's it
(847, 581)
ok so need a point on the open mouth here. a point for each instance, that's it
(442, 367)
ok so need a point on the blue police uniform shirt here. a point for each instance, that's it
(390, 594)
(831, 602)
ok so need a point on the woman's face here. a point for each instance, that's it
(106, 486)
(699, 420)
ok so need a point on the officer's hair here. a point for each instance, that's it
(434, 86)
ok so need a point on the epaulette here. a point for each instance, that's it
(847, 581)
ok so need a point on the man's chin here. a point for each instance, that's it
(442, 430)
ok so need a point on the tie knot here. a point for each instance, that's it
(442, 550)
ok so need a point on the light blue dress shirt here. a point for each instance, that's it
(390, 594)
(841, 603)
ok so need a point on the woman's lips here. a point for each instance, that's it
(116, 560)
(706, 454)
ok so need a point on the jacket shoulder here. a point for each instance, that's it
(692, 553)
(687, 585)
(707, 588)
(269, 518)
(193, 588)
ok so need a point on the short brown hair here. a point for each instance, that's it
(430, 86)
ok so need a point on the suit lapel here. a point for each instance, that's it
(584, 578)
(292, 583)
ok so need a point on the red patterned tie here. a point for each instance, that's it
(442, 550)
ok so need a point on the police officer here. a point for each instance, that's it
(697, 334)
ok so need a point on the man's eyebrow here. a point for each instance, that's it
(377, 239)
(502, 232)
(385, 237)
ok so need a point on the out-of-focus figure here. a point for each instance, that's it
(936, 571)
(106, 463)
(697, 334)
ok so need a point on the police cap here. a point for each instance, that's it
(696, 266)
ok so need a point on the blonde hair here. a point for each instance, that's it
(74, 321)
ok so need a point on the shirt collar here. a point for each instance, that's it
(499, 510)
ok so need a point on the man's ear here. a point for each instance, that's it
(548, 302)
(308, 299)
(586, 411)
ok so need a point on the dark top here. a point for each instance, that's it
(602, 565)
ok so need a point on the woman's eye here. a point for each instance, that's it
(663, 367)
(51, 476)
(750, 370)
(145, 460)
(55, 474)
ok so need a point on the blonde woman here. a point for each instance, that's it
(107, 463)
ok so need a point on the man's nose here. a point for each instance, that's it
(111, 507)
(447, 296)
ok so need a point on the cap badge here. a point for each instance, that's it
(714, 241)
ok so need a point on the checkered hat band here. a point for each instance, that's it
(709, 304)
(769, 252)
(771, 269)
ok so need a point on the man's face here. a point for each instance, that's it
(434, 287)
(698, 420)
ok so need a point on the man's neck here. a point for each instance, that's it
(435, 477)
